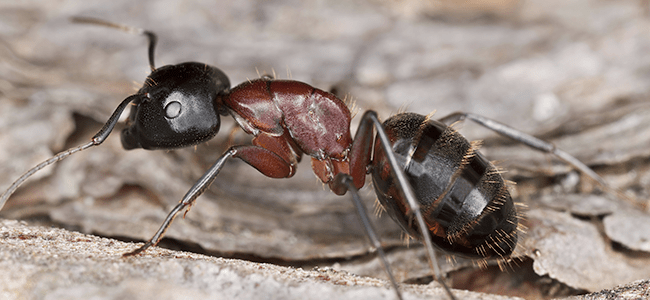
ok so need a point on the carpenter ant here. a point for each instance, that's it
(422, 169)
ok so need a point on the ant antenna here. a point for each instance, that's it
(112, 121)
(152, 37)
(96, 140)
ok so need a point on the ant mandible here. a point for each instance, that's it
(422, 169)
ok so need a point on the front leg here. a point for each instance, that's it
(260, 158)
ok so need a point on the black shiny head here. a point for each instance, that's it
(178, 107)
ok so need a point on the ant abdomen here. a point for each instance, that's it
(464, 200)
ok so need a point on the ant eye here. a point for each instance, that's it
(173, 109)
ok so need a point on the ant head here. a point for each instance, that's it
(176, 107)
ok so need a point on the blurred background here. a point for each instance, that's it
(572, 72)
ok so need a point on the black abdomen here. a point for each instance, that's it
(463, 198)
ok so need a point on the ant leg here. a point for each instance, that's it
(265, 161)
(195, 191)
(409, 195)
(360, 158)
(99, 138)
(344, 179)
(527, 140)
